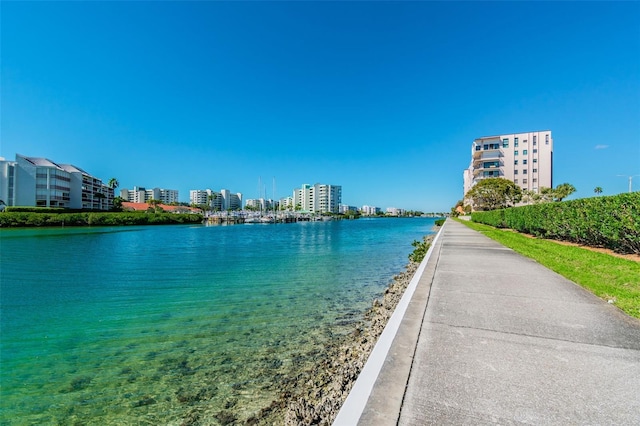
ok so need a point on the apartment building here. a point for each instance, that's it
(344, 208)
(286, 203)
(261, 204)
(143, 195)
(199, 196)
(40, 182)
(319, 198)
(231, 201)
(394, 211)
(219, 201)
(370, 210)
(526, 159)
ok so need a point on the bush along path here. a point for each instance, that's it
(609, 222)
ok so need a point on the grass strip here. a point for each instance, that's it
(608, 277)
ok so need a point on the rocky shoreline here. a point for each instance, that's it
(318, 393)
(313, 391)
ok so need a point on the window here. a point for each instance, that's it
(524, 181)
(524, 161)
(524, 152)
(535, 170)
(535, 139)
(505, 143)
(485, 147)
(515, 142)
(546, 139)
(515, 162)
(515, 152)
(535, 180)
(477, 147)
(515, 172)
(535, 151)
(524, 172)
(535, 143)
(535, 160)
(515, 181)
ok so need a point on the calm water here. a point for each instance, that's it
(147, 325)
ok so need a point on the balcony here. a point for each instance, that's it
(488, 157)
(488, 168)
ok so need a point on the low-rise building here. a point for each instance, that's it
(394, 211)
(40, 182)
(286, 203)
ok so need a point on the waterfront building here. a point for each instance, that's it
(286, 203)
(260, 204)
(523, 158)
(218, 201)
(206, 197)
(394, 211)
(345, 208)
(199, 196)
(319, 198)
(40, 182)
(231, 201)
(370, 210)
(143, 195)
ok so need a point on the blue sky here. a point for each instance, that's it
(383, 98)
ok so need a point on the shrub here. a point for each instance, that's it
(610, 222)
(421, 248)
(30, 219)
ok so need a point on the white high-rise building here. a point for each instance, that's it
(319, 198)
(231, 201)
(219, 201)
(370, 210)
(523, 158)
(143, 195)
(199, 196)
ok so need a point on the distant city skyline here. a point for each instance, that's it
(382, 98)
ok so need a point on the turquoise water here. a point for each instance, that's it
(151, 325)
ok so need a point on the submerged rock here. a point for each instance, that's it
(319, 399)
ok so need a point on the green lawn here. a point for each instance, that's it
(608, 277)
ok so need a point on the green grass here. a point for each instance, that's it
(606, 276)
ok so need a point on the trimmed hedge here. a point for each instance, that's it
(610, 222)
(20, 219)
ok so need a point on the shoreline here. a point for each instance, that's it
(317, 393)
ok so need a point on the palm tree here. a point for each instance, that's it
(113, 183)
(153, 203)
(211, 198)
(562, 191)
(598, 190)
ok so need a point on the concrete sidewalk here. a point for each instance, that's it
(491, 337)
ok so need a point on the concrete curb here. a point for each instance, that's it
(354, 406)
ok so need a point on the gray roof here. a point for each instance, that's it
(39, 161)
